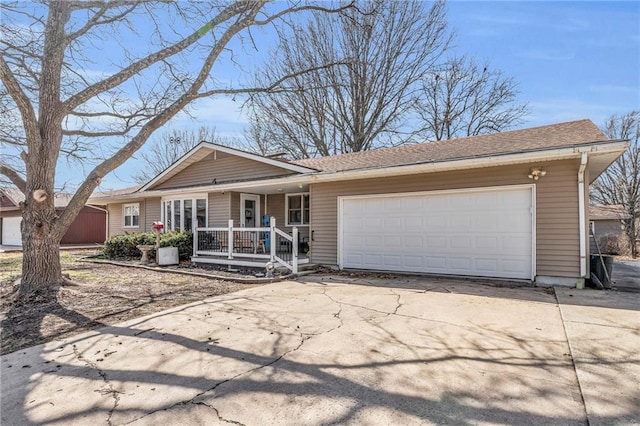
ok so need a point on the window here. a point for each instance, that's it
(131, 215)
(180, 214)
(297, 209)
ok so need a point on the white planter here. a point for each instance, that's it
(167, 256)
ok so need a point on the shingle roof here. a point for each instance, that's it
(14, 194)
(615, 211)
(511, 142)
(116, 192)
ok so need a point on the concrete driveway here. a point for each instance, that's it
(626, 275)
(331, 350)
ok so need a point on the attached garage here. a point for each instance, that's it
(11, 235)
(486, 232)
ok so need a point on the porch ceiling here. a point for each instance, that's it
(277, 188)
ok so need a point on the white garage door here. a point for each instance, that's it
(485, 232)
(11, 235)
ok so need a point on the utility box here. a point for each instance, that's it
(167, 256)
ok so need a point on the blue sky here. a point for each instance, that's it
(572, 60)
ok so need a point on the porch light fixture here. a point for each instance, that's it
(537, 173)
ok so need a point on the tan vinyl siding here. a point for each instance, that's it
(152, 210)
(556, 197)
(149, 213)
(219, 209)
(235, 208)
(276, 208)
(223, 169)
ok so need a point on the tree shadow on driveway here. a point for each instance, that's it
(293, 353)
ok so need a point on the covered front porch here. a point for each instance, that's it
(250, 246)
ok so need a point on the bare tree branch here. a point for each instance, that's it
(620, 183)
(14, 177)
(364, 71)
(464, 99)
(55, 62)
(123, 75)
(29, 120)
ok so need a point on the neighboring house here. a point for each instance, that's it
(606, 223)
(607, 220)
(509, 205)
(88, 227)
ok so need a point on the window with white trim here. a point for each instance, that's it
(297, 209)
(183, 213)
(131, 215)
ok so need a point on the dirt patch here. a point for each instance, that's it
(104, 295)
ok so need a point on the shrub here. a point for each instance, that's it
(182, 240)
(610, 244)
(124, 246)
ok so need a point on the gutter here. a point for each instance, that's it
(581, 214)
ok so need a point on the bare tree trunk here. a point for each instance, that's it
(44, 86)
(41, 269)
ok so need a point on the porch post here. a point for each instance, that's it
(195, 242)
(230, 239)
(272, 238)
(294, 246)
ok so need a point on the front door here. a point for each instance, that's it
(249, 210)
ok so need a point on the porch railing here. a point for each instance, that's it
(268, 243)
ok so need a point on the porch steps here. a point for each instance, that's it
(306, 267)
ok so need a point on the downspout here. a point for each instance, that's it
(581, 215)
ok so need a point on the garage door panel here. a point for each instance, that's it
(11, 234)
(414, 242)
(461, 202)
(487, 265)
(462, 242)
(435, 222)
(461, 263)
(436, 263)
(373, 261)
(480, 233)
(414, 222)
(392, 260)
(414, 262)
(487, 223)
(486, 243)
(393, 224)
(393, 241)
(460, 222)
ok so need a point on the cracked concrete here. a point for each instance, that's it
(408, 351)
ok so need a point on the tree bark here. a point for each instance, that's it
(41, 269)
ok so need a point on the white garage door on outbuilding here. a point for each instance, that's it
(11, 235)
(485, 232)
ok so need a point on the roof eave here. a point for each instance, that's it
(430, 167)
(478, 162)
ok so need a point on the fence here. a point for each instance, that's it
(260, 245)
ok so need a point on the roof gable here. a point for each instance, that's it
(515, 141)
(207, 150)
